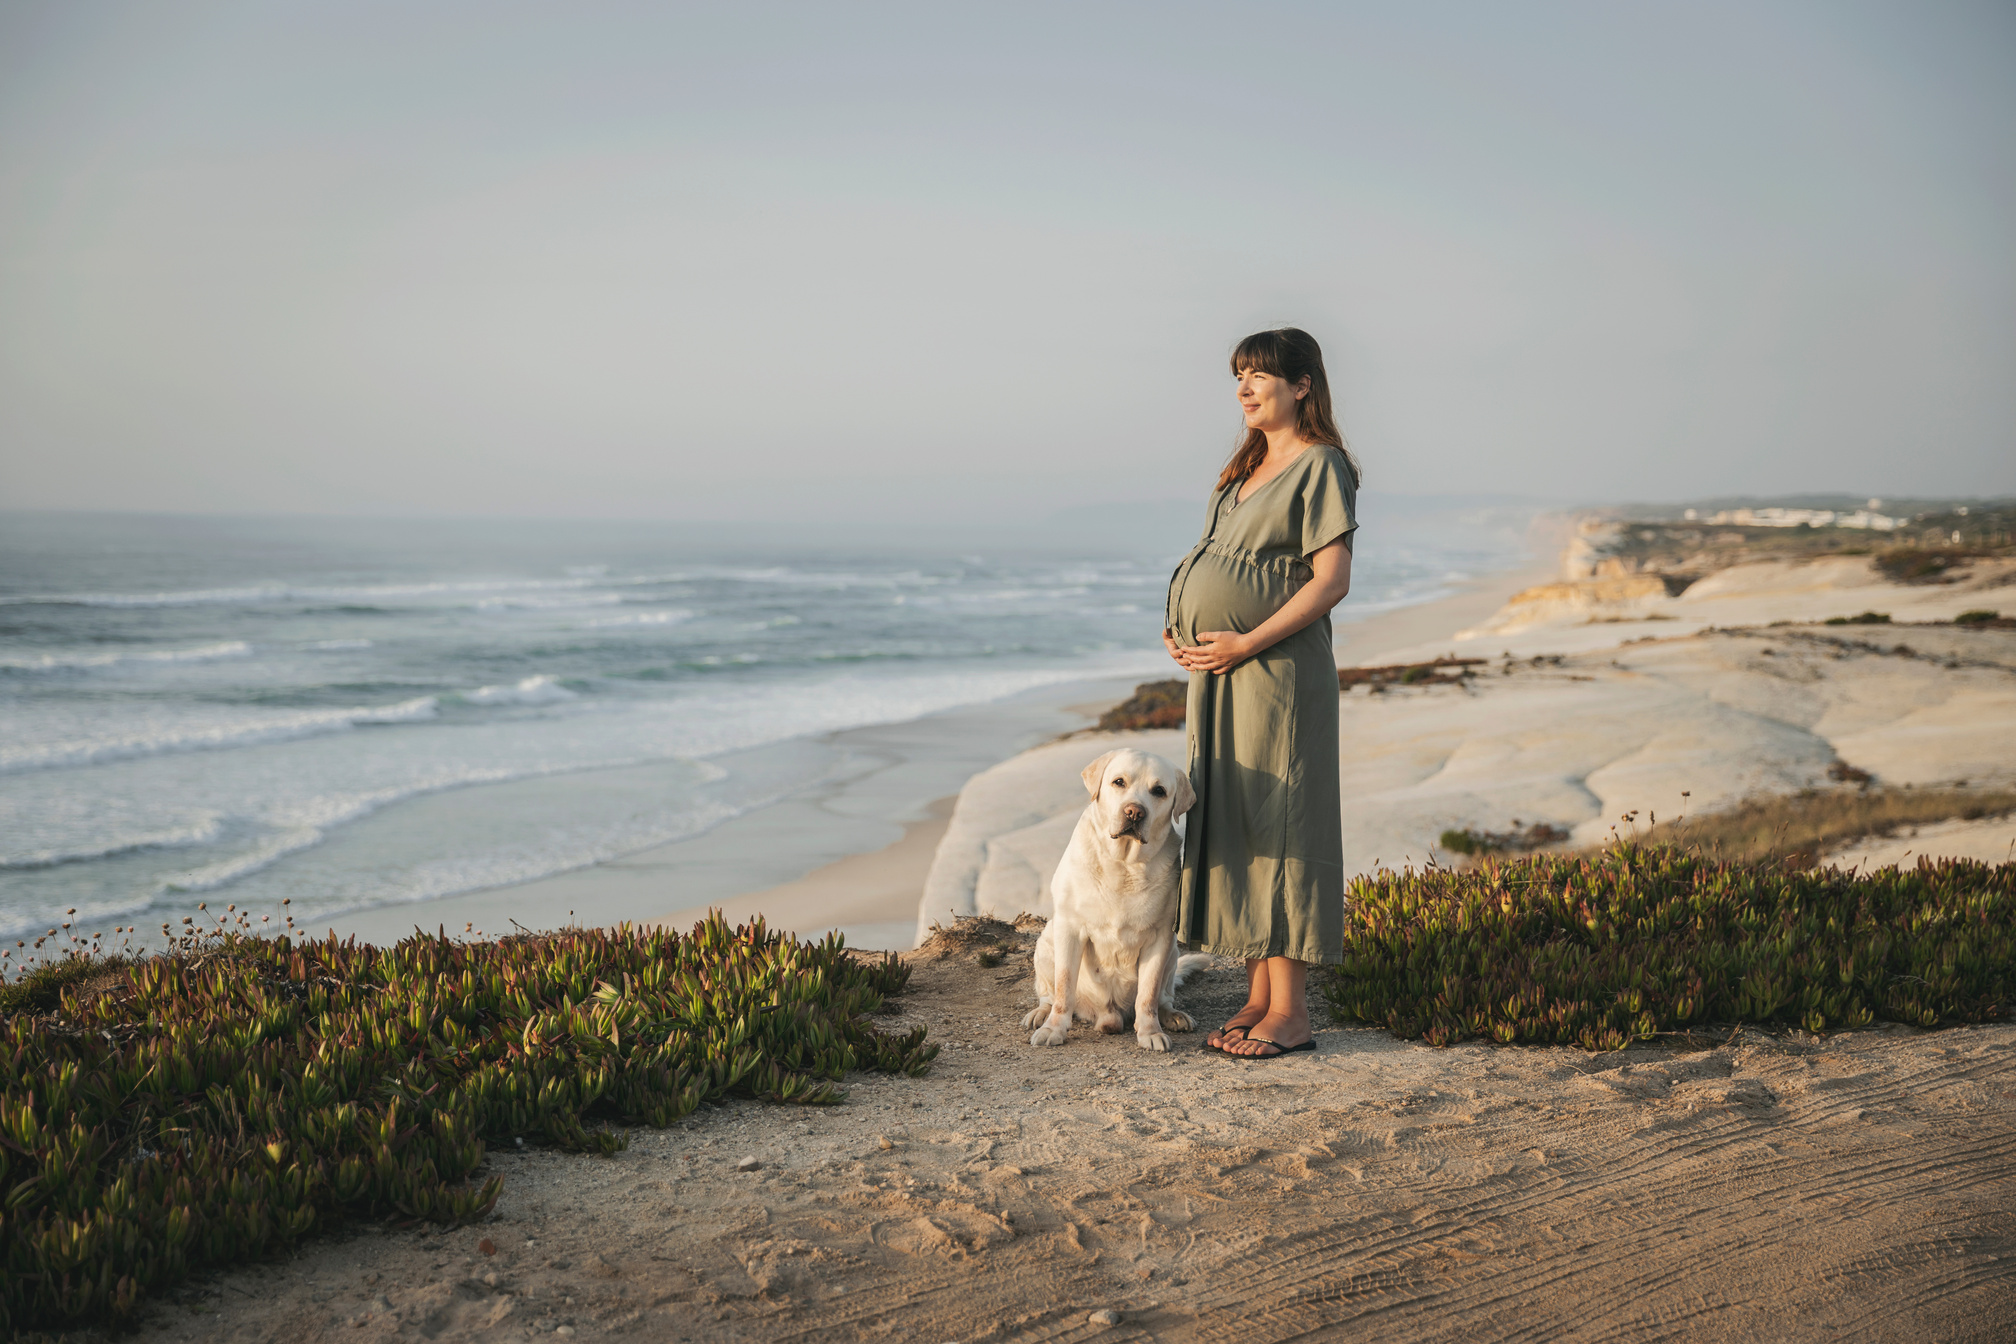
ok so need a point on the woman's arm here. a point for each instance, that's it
(1223, 650)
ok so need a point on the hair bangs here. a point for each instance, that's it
(1264, 352)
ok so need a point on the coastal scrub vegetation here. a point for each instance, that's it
(1933, 546)
(1598, 951)
(1154, 704)
(1445, 671)
(226, 1098)
(1520, 839)
(1925, 564)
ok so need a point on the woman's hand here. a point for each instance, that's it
(1217, 651)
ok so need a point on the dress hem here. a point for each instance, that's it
(1261, 952)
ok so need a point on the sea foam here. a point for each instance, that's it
(642, 618)
(81, 661)
(244, 730)
(539, 690)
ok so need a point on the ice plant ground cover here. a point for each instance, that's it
(218, 1102)
(1601, 950)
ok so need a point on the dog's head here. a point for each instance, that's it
(1137, 795)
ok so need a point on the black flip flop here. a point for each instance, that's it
(1279, 1049)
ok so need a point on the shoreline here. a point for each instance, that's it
(852, 850)
(873, 792)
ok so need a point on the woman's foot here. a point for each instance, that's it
(1257, 991)
(1274, 1034)
(1236, 1029)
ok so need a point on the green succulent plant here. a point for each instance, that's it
(1598, 951)
(222, 1100)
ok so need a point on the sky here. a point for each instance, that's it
(869, 264)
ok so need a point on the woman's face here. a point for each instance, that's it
(1269, 400)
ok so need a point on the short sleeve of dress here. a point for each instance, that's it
(1329, 501)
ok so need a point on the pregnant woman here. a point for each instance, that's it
(1249, 616)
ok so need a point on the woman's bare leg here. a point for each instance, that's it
(1286, 1021)
(1258, 986)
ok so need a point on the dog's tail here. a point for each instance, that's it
(1188, 962)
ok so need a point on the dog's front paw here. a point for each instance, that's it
(1177, 1020)
(1153, 1040)
(1047, 1035)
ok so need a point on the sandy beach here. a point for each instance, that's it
(1743, 1184)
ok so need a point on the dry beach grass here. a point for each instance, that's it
(1803, 826)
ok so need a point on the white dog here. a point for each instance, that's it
(1109, 951)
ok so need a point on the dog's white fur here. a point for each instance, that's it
(1109, 952)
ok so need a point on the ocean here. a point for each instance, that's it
(202, 709)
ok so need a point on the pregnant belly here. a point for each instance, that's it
(1216, 592)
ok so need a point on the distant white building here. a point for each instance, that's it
(1867, 519)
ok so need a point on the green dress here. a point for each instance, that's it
(1263, 849)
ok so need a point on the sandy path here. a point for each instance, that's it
(1770, 1187)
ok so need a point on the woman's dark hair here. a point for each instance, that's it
(1290, 353)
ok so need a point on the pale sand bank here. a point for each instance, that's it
(1593, 615)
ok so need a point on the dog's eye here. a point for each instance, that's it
(1159, 791)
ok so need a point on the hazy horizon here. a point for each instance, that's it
(896, 266)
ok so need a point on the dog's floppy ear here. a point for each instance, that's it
(1095, 774)
(1186, 797)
